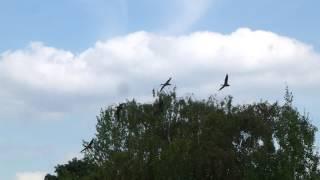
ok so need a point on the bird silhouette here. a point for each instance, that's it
(225, 83)
(87, 147)
(153, 93)
(119, 108)
(167, 83)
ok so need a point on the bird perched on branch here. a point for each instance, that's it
(225, 83)
(87, 147)
(167, 83)
(119, 108)
(153, 93)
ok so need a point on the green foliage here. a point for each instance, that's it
(50, 177)
(184, 138)
(74, 170)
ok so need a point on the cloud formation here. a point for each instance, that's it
(260, 63)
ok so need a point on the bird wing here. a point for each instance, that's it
(226, 79)
(85, 148)
(90, 143)
(222, 87)
(162, 87)
(88, 146)
(168, 81)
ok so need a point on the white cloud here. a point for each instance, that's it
(30, 175)
(47, 79)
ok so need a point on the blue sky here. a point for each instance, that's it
(83, 21)
(55, 53)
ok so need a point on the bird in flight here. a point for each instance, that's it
(167, 83)
(225, 83)
(87, 147)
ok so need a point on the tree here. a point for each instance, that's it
(74, 170)
(185, 138)
(50, 177)
(295, 138)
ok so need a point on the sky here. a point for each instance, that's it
(62, 61)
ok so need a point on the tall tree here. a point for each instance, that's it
(185, 138)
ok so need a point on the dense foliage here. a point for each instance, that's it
(183, 138)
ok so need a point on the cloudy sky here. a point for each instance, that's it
(62, 61)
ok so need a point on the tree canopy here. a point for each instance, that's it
(185, 138)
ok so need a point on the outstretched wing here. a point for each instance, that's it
(90, 143)
(162, 87)
(222, 87)
(84, 149)
(168, 81)
(226, 79)
(165, 84)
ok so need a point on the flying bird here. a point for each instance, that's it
(87, 147)
(225, 83)
(167, 83)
